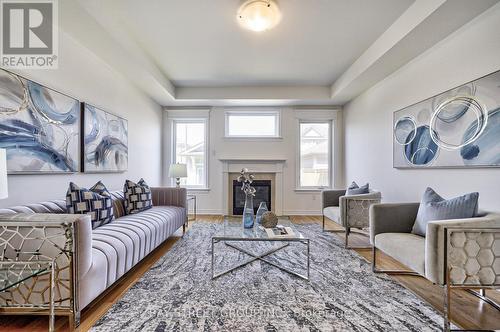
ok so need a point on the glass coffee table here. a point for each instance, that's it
(233, 232)
(15, 273)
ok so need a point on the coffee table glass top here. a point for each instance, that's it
(233, 229)
(14, 273)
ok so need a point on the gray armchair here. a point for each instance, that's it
(455, 253)
(348, 211)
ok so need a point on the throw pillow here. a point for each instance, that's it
(354, 189)
(95, 202)
(137, 196)
(434, 207)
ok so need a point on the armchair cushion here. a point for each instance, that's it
(406, 248)
(332, 213)
(434, 207)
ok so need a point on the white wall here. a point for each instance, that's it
(84, 76)
(294, 203)
(471, 52)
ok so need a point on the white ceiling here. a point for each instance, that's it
(199, 43)
(323, 52)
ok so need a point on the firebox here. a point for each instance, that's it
(262, 194)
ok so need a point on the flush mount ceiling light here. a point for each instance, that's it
(259, 15)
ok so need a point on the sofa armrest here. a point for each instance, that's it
(435, 241)
(331, 197)
(64, 238)
(392, 218)
(169, 196)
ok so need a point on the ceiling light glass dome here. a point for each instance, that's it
(259, 15)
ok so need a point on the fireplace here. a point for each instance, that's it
(262, 194)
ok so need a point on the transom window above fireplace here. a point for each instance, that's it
(252, 124)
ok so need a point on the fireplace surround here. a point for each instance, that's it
(263, 169)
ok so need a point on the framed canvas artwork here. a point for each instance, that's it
(39, 127)
(105, 142)
(459, 128)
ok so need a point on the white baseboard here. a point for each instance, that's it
(301, 213)
(285, 213)
(207, 211)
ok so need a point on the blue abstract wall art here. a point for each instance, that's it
(457, 128)
(39, 127)
(105, 141)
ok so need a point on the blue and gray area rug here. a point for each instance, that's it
(178, 294)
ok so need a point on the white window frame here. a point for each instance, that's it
(299, 186)
(173, 157)
(260, 112)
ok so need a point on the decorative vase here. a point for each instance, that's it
(248, 212)
(260, 212)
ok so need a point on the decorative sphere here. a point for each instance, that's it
(269, 219)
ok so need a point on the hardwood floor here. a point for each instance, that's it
(468, 311)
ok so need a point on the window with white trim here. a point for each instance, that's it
(189, 146)
(252, 124)
(315, 148)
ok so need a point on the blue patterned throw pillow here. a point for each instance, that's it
(96, 202)
(137, 196)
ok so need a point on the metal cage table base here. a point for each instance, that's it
(260, 257)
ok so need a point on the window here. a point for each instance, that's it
(253, 124)
(314, 154)
(190, 148)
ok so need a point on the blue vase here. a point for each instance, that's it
(248, 212)
(260, 212)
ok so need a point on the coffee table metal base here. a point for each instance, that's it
(261, 257)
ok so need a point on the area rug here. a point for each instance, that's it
(178, 294)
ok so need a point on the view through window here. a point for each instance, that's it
(257, 124)
(190, 149)
(314, 154)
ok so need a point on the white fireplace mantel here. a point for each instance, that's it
(254, 165)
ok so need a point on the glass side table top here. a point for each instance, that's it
(233, 229)
(14, 273)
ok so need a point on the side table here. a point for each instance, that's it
(15, 273)
(192, 197)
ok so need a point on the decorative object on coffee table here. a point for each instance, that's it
(246, 179)
(269, 219)
(262, 209)
(178, 171)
